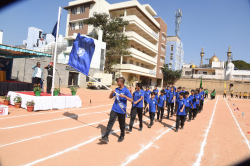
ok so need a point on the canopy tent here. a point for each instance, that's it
(15, 52)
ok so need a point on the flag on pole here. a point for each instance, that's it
(201, 82)
(81, 54)
(54, 30)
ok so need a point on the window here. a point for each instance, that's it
(142, 65)
(164, 37)
(80, 25)
(162, 60)
(70, 43)
(171, 56)
(72, 26)
(188, 72)
(143, 51)
(131, 61)
(160, 71)
(138, 49)
(137, 64)
(82, 9)
(121, 15)
(162, 48)
(172, 47)
(73, 78)
(170, 65)
(74, 11)
(132, 46)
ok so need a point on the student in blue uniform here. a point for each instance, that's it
(156, 92)
(194, 109)
(161, 104)
(174, 87)
(197, 98)
(183, 90)
(137, 107)
(147, 93)
(191, 106)
(177, 97)
(118, 109)
(181, 114)
(171, 100)
(152, 106)
(202, 94)
(167, 95)
(188, 104)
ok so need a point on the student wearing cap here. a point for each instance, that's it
(181, 114)
(49, 68)
(171, 100)
(137, 107)
(122, 95)
(147, 93)
(152, 106)
(161, 104)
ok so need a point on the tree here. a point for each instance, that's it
(169, 75)
(241, 65)
(117, 43)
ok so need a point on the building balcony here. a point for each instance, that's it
(143, 57)
(135, 37)
(137, 25)
(129, 68)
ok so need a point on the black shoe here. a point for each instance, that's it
(182, 128)
(149, 126)
(121, 138)
(176, 130)
(104, 139)
(160, 120)
(129, 131)
(140, 129)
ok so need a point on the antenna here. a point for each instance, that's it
(178, 15)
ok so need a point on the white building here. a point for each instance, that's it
(237, 75)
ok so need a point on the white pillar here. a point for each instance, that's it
(125, 14)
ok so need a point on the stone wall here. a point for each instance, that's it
(210, 84)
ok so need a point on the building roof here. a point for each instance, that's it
(76, 3)
(214, 59)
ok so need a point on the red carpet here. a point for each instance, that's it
(42, 94)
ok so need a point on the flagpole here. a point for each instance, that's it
(54, 63)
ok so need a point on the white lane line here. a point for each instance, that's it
(246, 140)
(28, 124)
(55, 111)
(136, 155)
(59, 131)
(72, 148)
(197, 163)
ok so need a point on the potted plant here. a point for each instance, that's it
(37, 90)
(17, 101)
(73, 90)
(56, 91)
(6, 100)
(30, 105)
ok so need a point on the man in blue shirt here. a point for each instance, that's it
(118, 109)
(193, 103)
(202, 93)
(171, 100)
(177, 97)
(174, 88)
(197, 98)
(167, 95)
(181, 114)
(152, 106)
(188, 104)
(183, 90)
(137, 107)
(161, 104)
(156, 92)
(147, 93)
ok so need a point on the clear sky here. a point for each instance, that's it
(212, 24)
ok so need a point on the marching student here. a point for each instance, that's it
(188, 104)
(240, 95)
(225, 93)
(193, 103)
(161, 104)
(197, 98)
(156, 92)
(232, 94)
(245, 95)
(174, 87)
(168, 90)
(137, 107)
(201, 99)
(236, 95)
(147, 93)
(181, 114)
(171, 100)
(118, 109)
(152, 106)
(177, 97)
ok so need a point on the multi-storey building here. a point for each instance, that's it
(174, 53)
(147, 36)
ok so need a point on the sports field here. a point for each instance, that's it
(218, 136)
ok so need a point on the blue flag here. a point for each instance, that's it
(81, 54)
(54, 30)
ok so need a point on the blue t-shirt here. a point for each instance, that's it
(188, 102)
(177, 96)
(197, 97)
(136, 96)
(118, 108)
(161, 100)
(180, 104)
(201, 97)
(193, 101)
(174, 88)
(147, 95)
(152, 103)
(183, 91)
(167, 92)
(171, 96)
(156, 95)
(203, 93)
